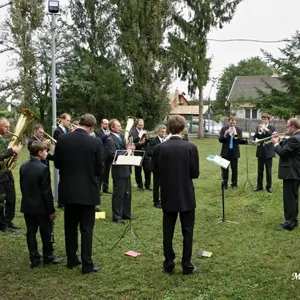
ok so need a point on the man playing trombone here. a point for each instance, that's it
(230, 137)
(264, 153)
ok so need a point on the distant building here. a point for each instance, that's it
(244, 88)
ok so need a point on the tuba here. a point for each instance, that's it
(129, 125)
(26, 116)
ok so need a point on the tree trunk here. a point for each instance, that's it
(201, 121)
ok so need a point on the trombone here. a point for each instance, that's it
(268, 139)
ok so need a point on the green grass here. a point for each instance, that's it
(250, 260)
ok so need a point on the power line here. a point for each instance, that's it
(250, 40)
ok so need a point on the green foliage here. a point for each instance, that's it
(286, 103)
(188, 43)
(142, 27)
(246, 67)
(250, 259)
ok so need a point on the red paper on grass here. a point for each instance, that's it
(132, 253)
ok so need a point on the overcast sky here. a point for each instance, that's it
(254, 19)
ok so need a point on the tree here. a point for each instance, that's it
(284, 103)
(142, 25)
(246, 67)
(188, 43)
(92, 78)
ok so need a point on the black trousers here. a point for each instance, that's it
(156, 188)
(263, 162)
(121, 198)
(290, 199)
(43, 223)
(84, 216)
(7, 210)
(147, 172)
(187, 220)
(104, 179)
(234, 170)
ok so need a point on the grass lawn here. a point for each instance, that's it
(250, 260)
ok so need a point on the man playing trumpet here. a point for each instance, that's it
(230, 137)
(264, 153)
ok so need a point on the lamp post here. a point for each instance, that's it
(53, 8)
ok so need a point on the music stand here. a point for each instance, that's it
(223, 163)
(247, 180)
(127, 158)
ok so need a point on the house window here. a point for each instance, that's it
(247, 113)
(254, 113)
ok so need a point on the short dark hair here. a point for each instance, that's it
(232, 119)
(266, 115)
(176, 124)
(295, 122)
(111, 123)
(88, 120)
(36, 147)
(37, 126)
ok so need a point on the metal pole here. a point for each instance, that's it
(53, 92)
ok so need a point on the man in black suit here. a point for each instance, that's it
(38, 136)
(289, 171)
(121, 196)
(7, 183)
(78, 156)
(264, 153)
(231, 137)
(63, 126)
(37, 204)
(141, 144)
(102, 133)
(176, 162)
(161, 135)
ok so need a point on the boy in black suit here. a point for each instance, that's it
(37, 204)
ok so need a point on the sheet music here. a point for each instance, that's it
(127, 158)
(219, 161)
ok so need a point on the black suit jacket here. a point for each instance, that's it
(78, 157)
(4, 154)
(175, 163)
(57, 133)
(225, 140)
(37, 197)
(101, 135)
(264, 149)
(153, 142)
(289, 162)
(113, 144)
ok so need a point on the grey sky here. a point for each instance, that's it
(254, 19)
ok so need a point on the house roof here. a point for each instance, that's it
(187, 110)
(245, 86)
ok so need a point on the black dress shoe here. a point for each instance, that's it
(13, 226)
(287, 226)
(95, 268)
(97, 209)
(52, 261)
(269, 190)
(129, 218)
(258, 189)
(106, 192)
(121, 221)
(190, 271)
(149, 188)
(73, 265)
(35, 264)
(157, 205)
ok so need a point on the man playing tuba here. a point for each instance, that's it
(7, 184)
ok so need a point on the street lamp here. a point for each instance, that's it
(53, 8)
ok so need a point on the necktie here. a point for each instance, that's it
(231, 142)
(120, 138)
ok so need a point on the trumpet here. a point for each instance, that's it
(268, 140)
(50, 137)
(262, 128)
(233, 133)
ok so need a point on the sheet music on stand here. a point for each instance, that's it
(219, 161)
(127, 158)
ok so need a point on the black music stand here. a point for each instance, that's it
(127, 158)
(223, 163)
(247, 180)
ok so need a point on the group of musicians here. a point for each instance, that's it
(268, 144)
(84, 159)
